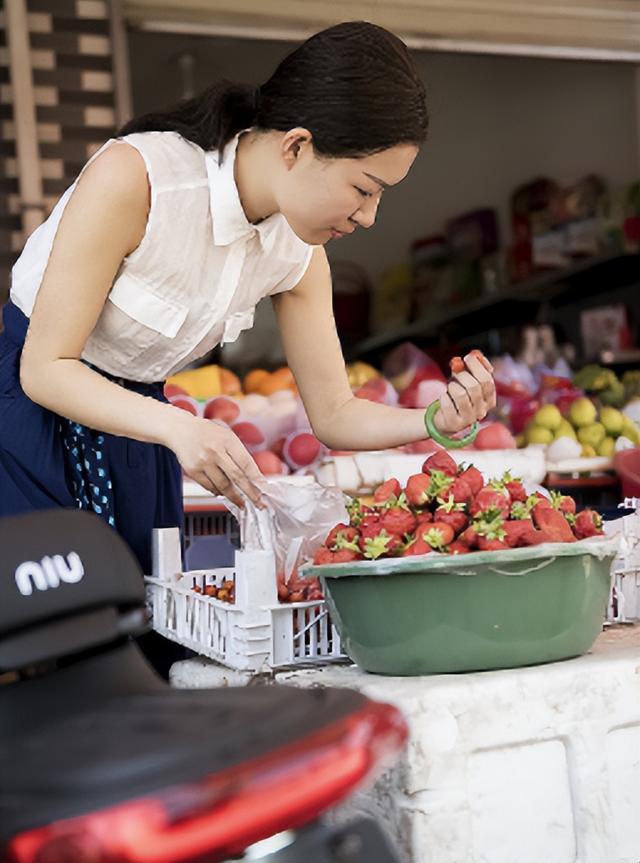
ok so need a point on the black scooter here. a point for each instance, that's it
(102, 762)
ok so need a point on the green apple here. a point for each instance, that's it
(582, 412)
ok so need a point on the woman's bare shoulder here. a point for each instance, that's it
(117, 181)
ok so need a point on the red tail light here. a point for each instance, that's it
(225, 813)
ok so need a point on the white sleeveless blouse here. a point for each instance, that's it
(196, 277)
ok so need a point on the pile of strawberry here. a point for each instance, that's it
(449, 509)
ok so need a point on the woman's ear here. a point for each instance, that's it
(295, 144)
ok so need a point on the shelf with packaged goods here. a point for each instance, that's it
(515, 304)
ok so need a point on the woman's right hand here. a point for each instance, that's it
(212, 455)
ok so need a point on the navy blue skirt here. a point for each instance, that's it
(47, 461)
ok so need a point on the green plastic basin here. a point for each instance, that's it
(481, 611)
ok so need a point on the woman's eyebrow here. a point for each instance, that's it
(381, 183)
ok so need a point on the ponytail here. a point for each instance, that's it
(210, 119)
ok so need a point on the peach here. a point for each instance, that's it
(222, 408)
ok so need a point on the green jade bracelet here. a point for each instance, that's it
(444, 440)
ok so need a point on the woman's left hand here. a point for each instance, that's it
(470, 395)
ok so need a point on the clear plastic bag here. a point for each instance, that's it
(298, 517)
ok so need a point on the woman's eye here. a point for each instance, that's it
(363, 192)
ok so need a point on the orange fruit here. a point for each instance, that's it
(229, 383)
(253, 379)
(281, 379)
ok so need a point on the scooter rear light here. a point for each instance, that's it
(224, 813)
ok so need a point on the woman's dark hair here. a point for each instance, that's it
(353, 86)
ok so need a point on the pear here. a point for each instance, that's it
(537, 434)
(565, 429)
(630, 430)
(612, 420)
(588, 451)
(607, 447)
(582, 412)
(548, 417)
(592, 434)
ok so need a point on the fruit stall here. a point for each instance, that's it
(492, 592)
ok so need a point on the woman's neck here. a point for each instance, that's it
(253, 167)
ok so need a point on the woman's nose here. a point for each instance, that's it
(365, 215)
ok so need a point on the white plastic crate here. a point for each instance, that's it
(256, 632)
(624, 601)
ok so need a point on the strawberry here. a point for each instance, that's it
(346, 555)
(553, 523)
(514, 487)
(441, 461)
(341, 536)
(489, 498)
(370, 528)
(541, 500)
(398, 521)
(323, 555)
(416, 547)
(473, 477)
(388, 491)
(491, 533)
(533, 536)
(380, 545)
(486, 544)
(469, 537)
(516, 531)
(438, 535)
(417, 489)
(521, 510)
(563, 503)
(452, 513)
(425, 517)
(456, 364)
(459, 490)
(587, 523)
(358, 511)
(458, 547)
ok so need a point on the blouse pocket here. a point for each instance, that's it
(139, 302)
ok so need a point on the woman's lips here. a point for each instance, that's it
(336, 234)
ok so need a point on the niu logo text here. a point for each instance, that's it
(50, 572)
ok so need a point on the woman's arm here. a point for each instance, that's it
(341, 421)
(103, 222)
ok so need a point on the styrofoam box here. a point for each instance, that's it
(363, 471)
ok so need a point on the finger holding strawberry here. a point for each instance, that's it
(470, 395)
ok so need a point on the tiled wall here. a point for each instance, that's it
(71, 61)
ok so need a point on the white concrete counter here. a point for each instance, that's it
(531, 765)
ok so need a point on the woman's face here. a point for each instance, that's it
(324, 198)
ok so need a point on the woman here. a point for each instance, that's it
(161, 250)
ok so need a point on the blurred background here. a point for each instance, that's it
(523, 206)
